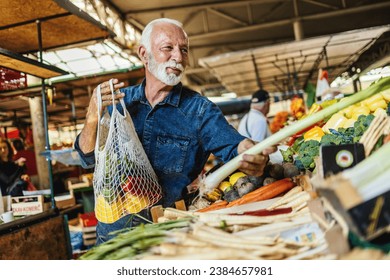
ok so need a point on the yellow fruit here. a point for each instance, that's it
(360, 110)
(386, 95)
(135, 203)
(378, 104)
(373, 99)
(107, 212)
(348, 111)
(224, 185)
(235, 176)
(334, 122)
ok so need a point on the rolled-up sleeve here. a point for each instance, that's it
(88, 159)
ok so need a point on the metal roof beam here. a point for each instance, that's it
(217, 4)
(266, 25)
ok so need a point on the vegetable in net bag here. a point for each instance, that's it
(124, 181)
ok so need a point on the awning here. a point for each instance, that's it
(31, 26)
(26, 65)
(288, 67)
(62, 24)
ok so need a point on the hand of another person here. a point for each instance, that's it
(253, 164)
(105, 91)
(20, 161)
(25, 177)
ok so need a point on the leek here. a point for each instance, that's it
(371, 177)
(213, 179)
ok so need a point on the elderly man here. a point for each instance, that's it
(177, 127)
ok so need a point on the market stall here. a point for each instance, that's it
(322, 200)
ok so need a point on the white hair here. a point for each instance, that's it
(147, 32)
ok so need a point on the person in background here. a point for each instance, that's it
(28, 158)
(178, 127)
(254, 124)
(13, 178)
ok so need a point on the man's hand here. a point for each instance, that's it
(88, 134)
(105, 91)
(253, 164)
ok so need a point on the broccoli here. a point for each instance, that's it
(341, 136)
(361, 125)
(307, 152)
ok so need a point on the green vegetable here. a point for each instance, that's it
(307, 153)
(288, 155)
(371, 176)
(361, 125)
(131, 242)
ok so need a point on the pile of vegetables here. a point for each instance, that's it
(344, 127)
(242, 189)
(215, 178)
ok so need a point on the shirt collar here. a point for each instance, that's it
(172, 99)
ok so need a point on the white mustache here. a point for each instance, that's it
(174, 64)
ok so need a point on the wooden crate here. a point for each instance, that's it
(27, 205)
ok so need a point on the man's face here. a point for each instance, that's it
(169, 55)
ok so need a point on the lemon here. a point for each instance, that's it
(135, 203)
(224, 185)
(107, 212)
(235, 176)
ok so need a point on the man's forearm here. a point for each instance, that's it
(87, 139)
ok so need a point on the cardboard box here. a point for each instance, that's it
(368, 219)
(88, 219)
(340, 157)
(372, 217)
(27, 205)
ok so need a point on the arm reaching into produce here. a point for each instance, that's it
(253, 164)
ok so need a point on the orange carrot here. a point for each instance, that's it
(215, 206)
(266, 192)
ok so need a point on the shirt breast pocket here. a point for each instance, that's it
(171, 152)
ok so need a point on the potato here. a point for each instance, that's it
(290, 170)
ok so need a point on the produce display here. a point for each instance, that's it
(215, 178)
(281, 214)
(232, 234)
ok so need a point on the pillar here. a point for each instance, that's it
(39, 141)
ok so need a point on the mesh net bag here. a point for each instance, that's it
(124, 181)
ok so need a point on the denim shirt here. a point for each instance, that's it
(178, 135)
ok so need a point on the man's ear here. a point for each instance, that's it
(142, 54)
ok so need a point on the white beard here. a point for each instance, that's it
(159, 70)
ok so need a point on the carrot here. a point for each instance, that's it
(254, 194)
(267, 192)
(215, 206)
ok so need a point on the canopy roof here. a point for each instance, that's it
(30, 66)
(62, 24)
(288, 67)
(32, 26)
